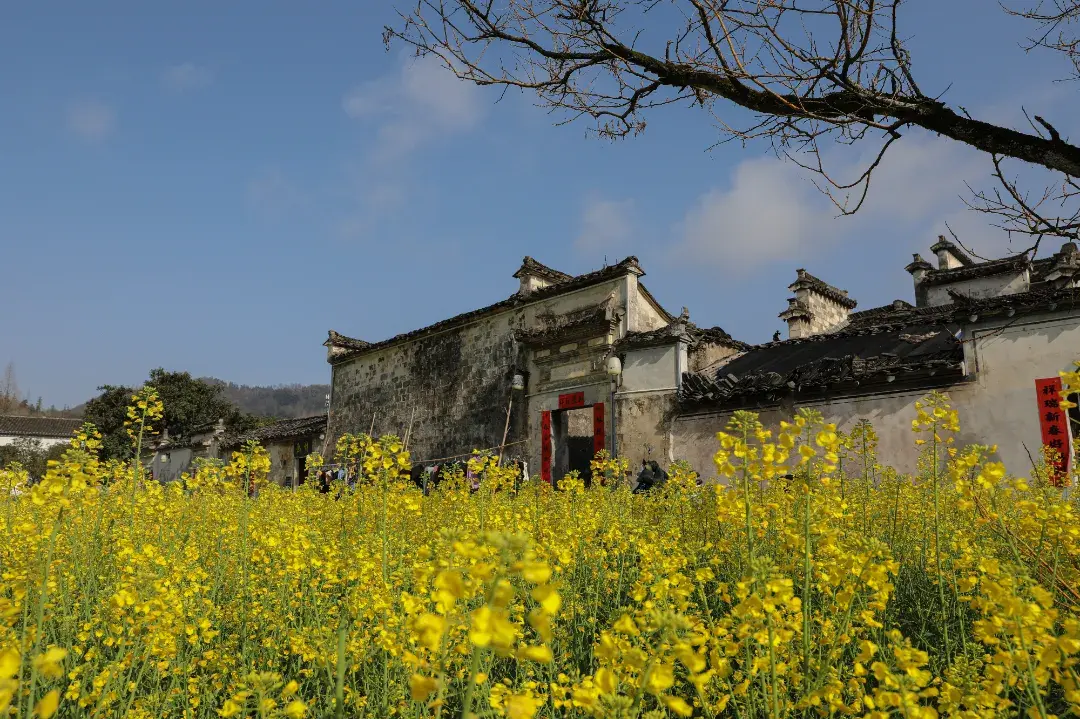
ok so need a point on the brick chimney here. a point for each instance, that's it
(816, 308)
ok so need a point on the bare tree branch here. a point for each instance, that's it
(801, 70)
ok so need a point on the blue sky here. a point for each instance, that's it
(212, 186)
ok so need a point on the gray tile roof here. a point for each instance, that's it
(38, 426)
(281, 430)
(630, 264)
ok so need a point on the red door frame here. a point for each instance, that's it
(545, 446)
(574, 401)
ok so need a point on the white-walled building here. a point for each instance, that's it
(992, 335)
(47, 431)
(535, 375)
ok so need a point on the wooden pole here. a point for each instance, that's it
(371, 431)
(506, 429)
(408, 432)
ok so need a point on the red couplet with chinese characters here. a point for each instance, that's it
(572, 400)
(545, 446)
(1054, 423)
(599, 436)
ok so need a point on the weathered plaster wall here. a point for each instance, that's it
(705, 354)
(458, 381)
(695, 436)
(947, 260)
(998, 407)
(650, 368)
(980, 288)
(642, 316)
(643, 426)
(282, 463)
(43, 442)
(645, 401)
(1008, 356)
(168, 466)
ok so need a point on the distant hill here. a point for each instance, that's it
(284, 401)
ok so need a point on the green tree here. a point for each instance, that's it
(108, 411)
(31, 455)
(190, 405)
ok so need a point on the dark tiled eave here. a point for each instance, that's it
(516, 300)
(529, 266)
(985, 269)
(833, 378)
(863, 359)
(685, 331)
(588, 322)
(955, 250)
(336, 339)
(854, 363)
(14, 426)
(822, 287)
(281, 430)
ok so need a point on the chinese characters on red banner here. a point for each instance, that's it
(572, 400)
(1054, 423)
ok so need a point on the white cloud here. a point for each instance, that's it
(420, 103)
(186, 76)
(606, 225)
(770, 210)
(91, 119)
(767, 211)
(410, 109)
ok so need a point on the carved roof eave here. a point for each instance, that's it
(530, 267)
(918, 264)
(594, 326)
(962, 257)
(1008, 266)
(795, 310)
(629, 265)
(336, 339)
(666, 336)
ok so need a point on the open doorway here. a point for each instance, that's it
(572, 435)
(301, 450)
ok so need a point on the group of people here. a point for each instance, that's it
(325, 478)
(651, 475)
(426, 478)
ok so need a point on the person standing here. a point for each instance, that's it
(645, 479)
